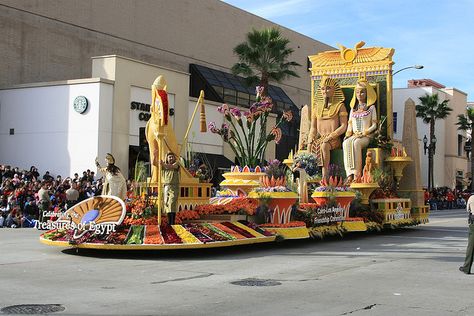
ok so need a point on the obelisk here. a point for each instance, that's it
(410, 184)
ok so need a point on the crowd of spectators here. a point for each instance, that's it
(444, 198)
(25, 195)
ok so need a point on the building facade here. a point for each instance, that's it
(450, 160)
(50, 42)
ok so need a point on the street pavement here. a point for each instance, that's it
(411, 271)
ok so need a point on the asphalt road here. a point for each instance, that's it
(413, 271)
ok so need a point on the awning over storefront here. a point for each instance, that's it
(225, 87)
(217, 161)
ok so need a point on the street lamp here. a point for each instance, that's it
(425, 142)
(414, 67)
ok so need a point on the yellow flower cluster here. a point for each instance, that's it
(185, 236)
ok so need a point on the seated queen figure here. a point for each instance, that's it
(362, 124)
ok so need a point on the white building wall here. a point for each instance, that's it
(400, 95)
(48, 133)
(205, 142)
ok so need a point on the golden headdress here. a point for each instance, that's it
(336, 101)
(160, 83)
(160, 111)
(371, 94)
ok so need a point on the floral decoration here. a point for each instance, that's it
(239, 230)
(226, 193)
(169, 235)
(139, 206)
(199, 169)
(248, 143)
(153, 235)
(237, 205)
(308, 162)
(334, 183)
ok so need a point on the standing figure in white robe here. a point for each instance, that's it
(114, 182)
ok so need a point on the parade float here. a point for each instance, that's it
(345, 176)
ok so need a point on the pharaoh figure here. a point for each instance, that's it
(328, 122)
(114, 181)
(362, 124)
(159, 119)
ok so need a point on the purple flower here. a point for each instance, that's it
(224, 109)
(236, 113)
(213, 128)
(275, 162)
(265, 107)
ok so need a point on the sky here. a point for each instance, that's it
(434, 33)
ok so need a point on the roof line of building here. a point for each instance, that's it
(279, 25)
(58, 83)
(142, 62)
(455, 89)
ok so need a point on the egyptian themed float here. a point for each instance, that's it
(346, 174)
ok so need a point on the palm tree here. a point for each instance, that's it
(263, 57)
(431, 110)
(466, 123)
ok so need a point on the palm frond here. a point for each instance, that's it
(463, 123)
(266, 53)
(431, 110)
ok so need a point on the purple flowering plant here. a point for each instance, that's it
(240, 131)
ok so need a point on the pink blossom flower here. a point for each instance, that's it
(236, 113)
(224, 109)
(288, 116)
(265, 107)
(212, 127)
(277, 133)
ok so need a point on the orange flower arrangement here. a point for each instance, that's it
(139, 206)
(186, 215)
(153, 235)
(128, 221)
(249, 206)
